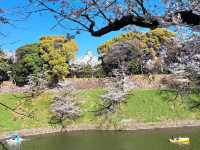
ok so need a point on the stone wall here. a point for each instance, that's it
(138, 81)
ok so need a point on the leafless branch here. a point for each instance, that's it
(141, 3)
(14, 110)
(86, 17)
(101, 12)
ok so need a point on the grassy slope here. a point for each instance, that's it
(152, 105)
(145, 105)
(11, 121)
(142, 105)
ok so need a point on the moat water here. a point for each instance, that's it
(156, 139)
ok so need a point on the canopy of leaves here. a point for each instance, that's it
(25, 50)
(146, 41)
(4, 67)
(56, 52)
(135, 48)
(28, 63)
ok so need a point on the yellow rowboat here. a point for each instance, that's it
(180, 140)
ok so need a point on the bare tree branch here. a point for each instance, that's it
(14, 110)
(101, 12)
(125, 21)
(141, 3)
(117, 15)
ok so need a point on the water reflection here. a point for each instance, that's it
(14, 146)
(109, 140)
(6, 146)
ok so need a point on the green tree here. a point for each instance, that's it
(4, 67)
(56, 52)
(28, 63)
(134, 48)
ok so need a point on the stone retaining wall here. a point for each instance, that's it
(138, 81)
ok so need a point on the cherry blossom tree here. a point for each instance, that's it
(99, 17)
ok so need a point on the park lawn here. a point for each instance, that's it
(90, 100)
(150, 105)
(10, 121)
(144, 105)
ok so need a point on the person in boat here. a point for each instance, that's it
(15, 139)
(175, 138)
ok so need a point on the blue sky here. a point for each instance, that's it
(30, 30)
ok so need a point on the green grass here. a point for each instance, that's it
(39, 106)
(144, 105)
(91, 99)
(152, 106)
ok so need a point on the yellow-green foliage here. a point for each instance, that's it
(56, 51)
(149, 41)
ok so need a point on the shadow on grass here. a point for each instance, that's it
(190, 98)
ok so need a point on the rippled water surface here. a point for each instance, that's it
(118, 140)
